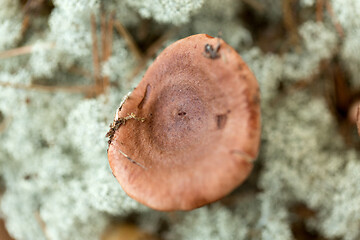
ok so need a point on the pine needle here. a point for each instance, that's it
(24, 50)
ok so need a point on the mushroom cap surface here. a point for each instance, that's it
(201, 130)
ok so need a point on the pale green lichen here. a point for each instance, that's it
(166, 11)
(10, 23)
(225, 225)
(304, 165)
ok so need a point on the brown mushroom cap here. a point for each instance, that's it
(201, 130)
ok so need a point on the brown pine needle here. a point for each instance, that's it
(25, 24)
(24, 50)
(96, 61)
(336, 23)
(107, 37)
(289, 21)
(129, 40)
(104, 47)
(319, 10)
(44, 88)
(110, 28)
(151, 51)
(103, 36)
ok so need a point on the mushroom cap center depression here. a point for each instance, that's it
(179, 120)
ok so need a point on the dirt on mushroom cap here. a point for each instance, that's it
(201, 127)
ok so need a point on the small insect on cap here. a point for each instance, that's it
(201, 127)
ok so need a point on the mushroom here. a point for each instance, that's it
(189, 132)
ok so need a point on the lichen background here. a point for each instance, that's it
(56, 103)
